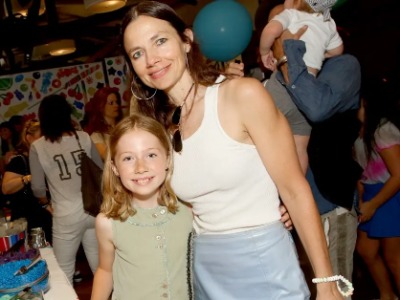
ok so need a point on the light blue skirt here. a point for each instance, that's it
(256, 264)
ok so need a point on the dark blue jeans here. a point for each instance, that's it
(335, 89)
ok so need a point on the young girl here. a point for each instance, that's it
(321, 38)
(378, 152)
(142, 229)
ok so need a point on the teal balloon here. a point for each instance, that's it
(338, 4)
(223, 29)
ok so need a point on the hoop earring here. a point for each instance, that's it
(187, 60)
(140, 98)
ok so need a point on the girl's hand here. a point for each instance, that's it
(367, 210)
(285, 217)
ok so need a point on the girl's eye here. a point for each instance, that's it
(152, 155)
(161, 41)
(127, 158)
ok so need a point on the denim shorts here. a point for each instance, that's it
(260, 263)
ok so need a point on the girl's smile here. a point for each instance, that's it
(141, 162)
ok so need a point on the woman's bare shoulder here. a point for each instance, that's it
(244, 90)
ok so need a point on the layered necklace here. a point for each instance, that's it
(176, 120)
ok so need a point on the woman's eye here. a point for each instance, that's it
(161, 41)
(136, 54)
(152, 155)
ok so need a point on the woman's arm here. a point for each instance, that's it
(13, 182)
(391, 157)
(99, 141)
(269, 131)
(103, 278)
(102, 149)
(38, 183)
(95, 155)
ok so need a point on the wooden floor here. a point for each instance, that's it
(363, 285)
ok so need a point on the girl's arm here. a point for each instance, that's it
(270, 132)
(391, 157)
(103, 279)
(360, 192)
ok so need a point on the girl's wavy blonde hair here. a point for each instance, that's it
(116, 198)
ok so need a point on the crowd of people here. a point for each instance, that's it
(205, 176)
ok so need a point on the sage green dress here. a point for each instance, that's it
(151, 255)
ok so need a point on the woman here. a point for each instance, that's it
(56, 158)
(234, 152)
(9, 141)
(17, 184)
(378, 152)
(103, 113)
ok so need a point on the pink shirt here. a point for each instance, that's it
(375, 170)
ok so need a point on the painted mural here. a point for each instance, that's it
(20, 94)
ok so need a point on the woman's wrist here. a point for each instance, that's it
(343, 285)
(25, 179)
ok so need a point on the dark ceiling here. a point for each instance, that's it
(95, 36)
(370, 30)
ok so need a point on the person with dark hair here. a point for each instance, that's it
(17, 123)
(103, 112)
(56, 157)
(16, 184)
(378, 152)
(234, 155)
(9, 142)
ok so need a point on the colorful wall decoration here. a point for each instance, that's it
(116, 75)
(20, 94)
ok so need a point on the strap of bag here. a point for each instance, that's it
(79, 143)
(25, 163)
